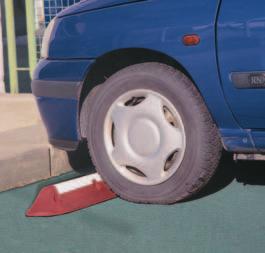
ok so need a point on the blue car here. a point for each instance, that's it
(157, 89)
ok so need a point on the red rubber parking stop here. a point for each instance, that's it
(70, 196)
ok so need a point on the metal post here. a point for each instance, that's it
(11, 44)
(32, 47)
(2, 84)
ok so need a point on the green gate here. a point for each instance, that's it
(38, 14)
(11, 42)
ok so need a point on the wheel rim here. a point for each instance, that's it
(144, 137)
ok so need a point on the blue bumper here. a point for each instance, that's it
(56, 85)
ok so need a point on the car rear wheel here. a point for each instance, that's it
(150, 134)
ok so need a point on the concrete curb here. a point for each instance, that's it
(25, 154)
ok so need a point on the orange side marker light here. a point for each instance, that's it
(191, 39)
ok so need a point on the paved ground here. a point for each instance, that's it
(227, 217)
(25, 154)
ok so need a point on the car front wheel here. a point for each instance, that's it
(150, 134)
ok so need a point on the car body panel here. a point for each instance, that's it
(259, 140)
(82, 35)
(145, 29)
(62, 70)
(59, 117)
(92, 5)
(60, 113)
(241, 49)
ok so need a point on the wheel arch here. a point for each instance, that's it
(111, 62)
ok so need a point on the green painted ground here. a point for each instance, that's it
(228, 217)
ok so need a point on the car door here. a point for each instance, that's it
(241, 59)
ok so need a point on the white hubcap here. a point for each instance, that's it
(144, 137)
(142, 131)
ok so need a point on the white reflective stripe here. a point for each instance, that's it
(76, 183)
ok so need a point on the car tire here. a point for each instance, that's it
(129, 141)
